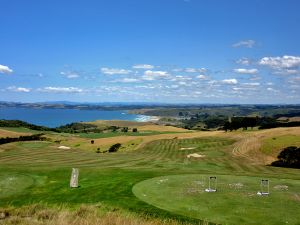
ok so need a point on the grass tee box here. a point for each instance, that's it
(235, 202)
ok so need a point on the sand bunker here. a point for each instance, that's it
(63, 147)
(195, 155)
(187, 148)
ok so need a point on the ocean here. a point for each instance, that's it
(58, 117)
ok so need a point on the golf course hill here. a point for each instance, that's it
(145, 173)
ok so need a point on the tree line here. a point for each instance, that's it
(261, 122)
(34, 137)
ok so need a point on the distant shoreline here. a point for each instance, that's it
(144, 118)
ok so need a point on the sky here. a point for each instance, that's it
(163, 51)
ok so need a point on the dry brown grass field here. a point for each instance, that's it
(83, 215)
(7, 133)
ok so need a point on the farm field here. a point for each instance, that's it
(155, 178)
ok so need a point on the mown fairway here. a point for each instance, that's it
(32, 172)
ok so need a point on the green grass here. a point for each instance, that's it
(44, 172)
(20, 129)
(116, 134)
(272, 145)
(235, 201)
(34, 144)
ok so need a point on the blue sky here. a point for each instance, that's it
(171, 51)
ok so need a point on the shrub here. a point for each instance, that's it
(288, 157)
(114, 148)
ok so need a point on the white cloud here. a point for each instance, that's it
(202, 77)
(70, 74)
(229, 81)
(156, 73)
(243, 61)
(129, 80)
(195, 70)
(284, 62)
(252, 84)
(5, 69)
(190, 70)
(246, 71)
(153, 75)
(182, 83)
(244, 43)
(61, 89)
(142, 66)
(113, 71)
(287, 71)
(19, 89)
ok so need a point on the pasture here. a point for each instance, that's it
(131, 180)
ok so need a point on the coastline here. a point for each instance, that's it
(144, 118)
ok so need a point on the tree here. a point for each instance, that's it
(98, 150)
(288, 157)
(134, 130)
(125, 129)
(114, 148)
(92, 142)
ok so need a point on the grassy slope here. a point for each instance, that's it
(10, 132)
(273, 145)
(108, 178)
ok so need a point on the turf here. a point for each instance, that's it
(20, 129)
(116, 134)
(45, 170)
(274, 145)
(235, 201)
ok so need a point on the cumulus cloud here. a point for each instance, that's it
(243, 61)
(287, 72)
(244, 43)
(195, 70)
(19, 89)
(70, 74)
(252, 84)
(202, 77)
(113, 71)
(191, 70)
(129, 80)
(284, 62)
(61, 89)
(154, 75)
(230, 81)
(246, 71)
(143, 66)
(5, 69)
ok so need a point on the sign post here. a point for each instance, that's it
(74, 178)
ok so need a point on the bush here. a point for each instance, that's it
(125, 129)
(114, 148)
(288, 157)
(134, 130)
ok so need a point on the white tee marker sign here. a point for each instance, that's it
(74, 178)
